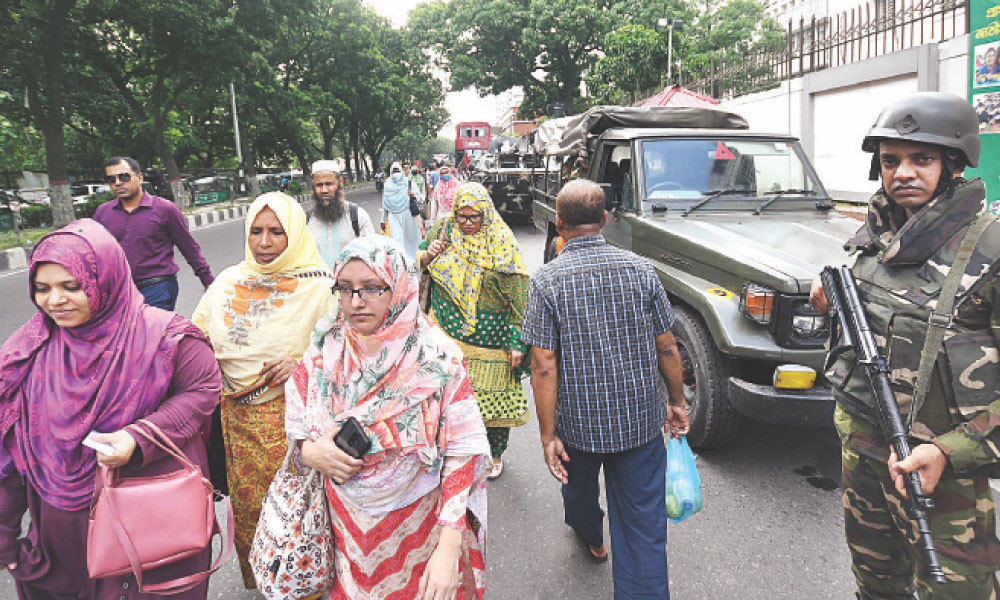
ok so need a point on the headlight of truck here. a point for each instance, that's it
(807, 322)
(757, 302)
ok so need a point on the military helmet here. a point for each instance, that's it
(932, 118)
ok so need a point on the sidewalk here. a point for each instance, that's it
(17, 258)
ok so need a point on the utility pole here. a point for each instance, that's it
(236, 131)
(670, 25)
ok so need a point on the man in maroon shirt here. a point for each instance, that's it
(148, 227)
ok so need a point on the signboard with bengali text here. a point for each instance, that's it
(984, 92)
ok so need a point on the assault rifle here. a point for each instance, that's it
(842, 296)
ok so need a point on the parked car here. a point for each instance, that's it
(81, 192)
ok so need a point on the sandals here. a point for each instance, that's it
(591, 551)
(496, 469)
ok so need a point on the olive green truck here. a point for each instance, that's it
(737, 225)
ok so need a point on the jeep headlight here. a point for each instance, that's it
(757, 302)
(807, 322)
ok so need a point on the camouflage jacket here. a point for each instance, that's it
(900, 267)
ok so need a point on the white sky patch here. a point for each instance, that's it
(464, 105)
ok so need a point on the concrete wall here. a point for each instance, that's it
(831, 110)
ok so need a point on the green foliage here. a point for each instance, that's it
(21, 147)
(633, 62)
(296, 187)
(313, 78)
(545, 46)
(36, 215)
(10, 239)
(418, 147)
(727, 30)
(548, 47)
(88, 208)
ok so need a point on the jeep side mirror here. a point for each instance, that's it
(611, 200)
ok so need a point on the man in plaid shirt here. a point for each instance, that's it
(599, 322)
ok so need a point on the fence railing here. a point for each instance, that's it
(839, 39)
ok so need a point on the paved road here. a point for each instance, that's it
(771, 528)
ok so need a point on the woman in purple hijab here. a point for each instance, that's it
(94, 358)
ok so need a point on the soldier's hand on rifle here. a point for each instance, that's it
(817, 297)
(927, 459)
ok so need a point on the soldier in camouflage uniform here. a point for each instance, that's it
(914, 227)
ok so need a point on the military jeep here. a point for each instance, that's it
(505, 172)
(737, 225)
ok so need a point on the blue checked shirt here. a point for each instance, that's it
(601, 309)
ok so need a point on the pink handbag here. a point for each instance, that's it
(141, 523)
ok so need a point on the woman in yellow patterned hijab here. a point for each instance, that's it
(479, 288)
(492, 247)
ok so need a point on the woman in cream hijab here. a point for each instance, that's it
(258, 315)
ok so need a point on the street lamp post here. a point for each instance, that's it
(236, 131)
(670, 25)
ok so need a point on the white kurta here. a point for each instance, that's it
(332, 237)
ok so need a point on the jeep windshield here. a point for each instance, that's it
(681, 172)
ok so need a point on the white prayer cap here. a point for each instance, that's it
(325, 165)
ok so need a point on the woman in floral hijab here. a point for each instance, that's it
(479, 289)
(410, 516)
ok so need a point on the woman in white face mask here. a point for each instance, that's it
(402, 226)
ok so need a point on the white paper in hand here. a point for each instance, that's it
(102, 447)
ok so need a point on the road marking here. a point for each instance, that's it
(14, 272)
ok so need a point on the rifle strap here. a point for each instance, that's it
(940, 318)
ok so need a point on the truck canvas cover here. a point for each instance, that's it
(569, 135)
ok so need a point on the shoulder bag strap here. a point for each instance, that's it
(941, 317)
(181, 584)
(160, 439)
(353, 208)
(187, 582)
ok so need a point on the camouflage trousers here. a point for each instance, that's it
(886, 562)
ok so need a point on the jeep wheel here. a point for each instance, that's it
(551, 249)
(706, 376)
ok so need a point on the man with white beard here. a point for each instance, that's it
(334, 222)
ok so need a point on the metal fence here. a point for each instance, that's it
(850, 36)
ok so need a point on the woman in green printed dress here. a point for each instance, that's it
(479, 288)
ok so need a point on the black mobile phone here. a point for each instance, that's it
(352, 438)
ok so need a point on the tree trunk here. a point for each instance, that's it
(52, 127)
(346, 151)
(181, 198)
(354, 149)
(326, 129)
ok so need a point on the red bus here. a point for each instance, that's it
(471, 137)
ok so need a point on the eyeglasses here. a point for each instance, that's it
(122, 177)
(366, 293)
(468, 218)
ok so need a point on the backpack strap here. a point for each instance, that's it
(941, 317)
(353, 208)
